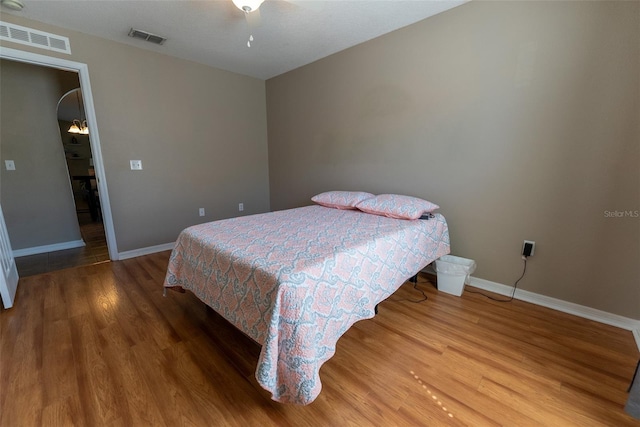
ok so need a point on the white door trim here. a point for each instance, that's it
(8, 270)
(87, 96)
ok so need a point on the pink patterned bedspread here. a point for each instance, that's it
(296, 280)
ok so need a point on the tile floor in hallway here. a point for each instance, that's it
(95, 251)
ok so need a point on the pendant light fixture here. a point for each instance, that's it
(247, 5)
(251, 13)
(77, 126)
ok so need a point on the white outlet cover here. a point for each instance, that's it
(136, 165)
(11, 166)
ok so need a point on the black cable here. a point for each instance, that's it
(515, 286)
(415, 286)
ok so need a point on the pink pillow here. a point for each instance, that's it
(396, 206)
(341, 199)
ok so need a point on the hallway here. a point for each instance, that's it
(94, 252)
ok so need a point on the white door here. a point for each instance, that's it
(9, 273)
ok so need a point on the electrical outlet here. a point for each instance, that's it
(528, 248)
(136, 165)
(10, 165)
(240, 207)
(201, 211)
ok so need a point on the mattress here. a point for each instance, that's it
(296, 280)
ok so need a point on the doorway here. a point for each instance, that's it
(75, 140)
(103, 226)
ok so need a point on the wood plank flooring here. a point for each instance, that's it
(100, 346)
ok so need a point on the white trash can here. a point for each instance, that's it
(453, 272)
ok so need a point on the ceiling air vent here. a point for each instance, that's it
(29, 36)
(143, 35)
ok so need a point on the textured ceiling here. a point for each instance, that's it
(289, 34)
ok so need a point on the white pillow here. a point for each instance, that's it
(341, 199)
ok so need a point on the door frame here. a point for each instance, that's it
(9, 277)
(87, 97)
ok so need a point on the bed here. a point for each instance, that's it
(295, 280)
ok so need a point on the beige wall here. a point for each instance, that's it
(36, 198)
(200, 133)
(520, 119)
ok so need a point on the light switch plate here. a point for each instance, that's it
(11, 166)
(136, 165)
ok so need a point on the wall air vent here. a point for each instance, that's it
(143, 35)
(30, 37)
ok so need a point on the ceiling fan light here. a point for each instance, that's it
(247, 5)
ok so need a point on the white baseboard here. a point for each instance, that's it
(48, 248)
(146, 251)
(563, 306)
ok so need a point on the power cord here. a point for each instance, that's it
(515, 286)
(415, 286)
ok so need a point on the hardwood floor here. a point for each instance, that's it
(100, 345)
